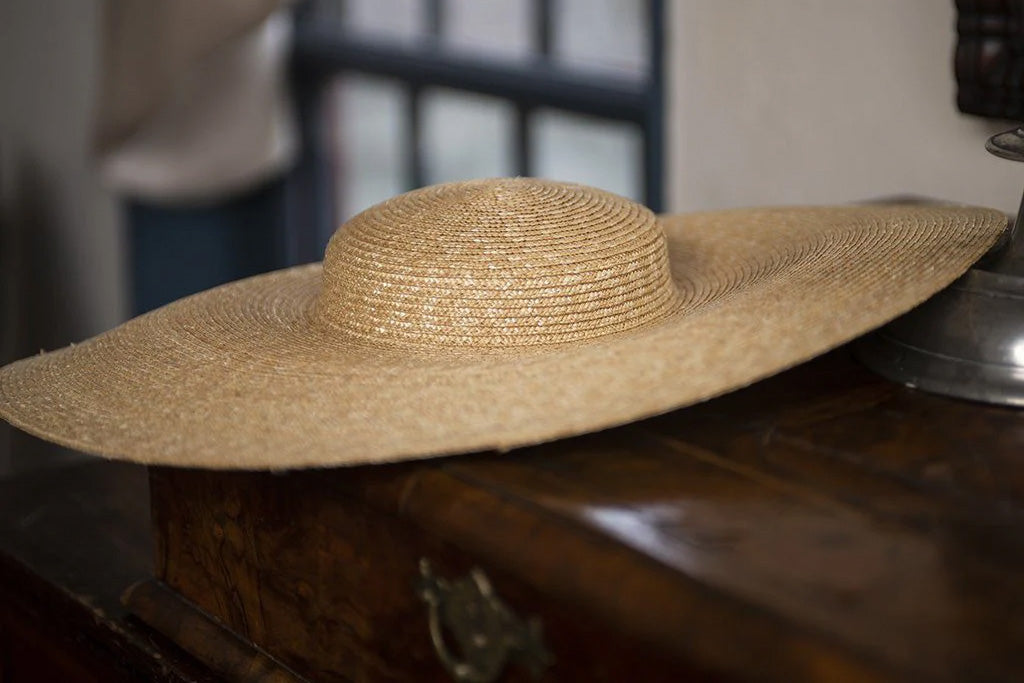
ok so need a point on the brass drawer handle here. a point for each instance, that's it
(486, 632)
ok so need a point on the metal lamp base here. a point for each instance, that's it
(966, 341)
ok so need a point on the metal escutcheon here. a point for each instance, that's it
(486, 633)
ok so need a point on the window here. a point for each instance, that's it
(395, 94)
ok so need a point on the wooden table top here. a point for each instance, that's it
(821, 525)
(72, 538)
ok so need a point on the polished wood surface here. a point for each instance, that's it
(72, 538)
(223, 651)
(824, 525)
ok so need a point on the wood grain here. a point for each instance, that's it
(823, 525)
(72, 538)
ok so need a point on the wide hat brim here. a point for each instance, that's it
(241, 376)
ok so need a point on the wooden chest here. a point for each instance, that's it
(824, 525)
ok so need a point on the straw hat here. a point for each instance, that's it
(488, 315)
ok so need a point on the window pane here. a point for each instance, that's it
(498, 28)
(465, 136)
(605, 35)
(325, 14)
(366, 119)
(587, 150)
(399, 20)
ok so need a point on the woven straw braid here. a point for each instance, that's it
(497, 263)
(292, 369)
(248, 376)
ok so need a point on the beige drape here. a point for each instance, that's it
(192, 100)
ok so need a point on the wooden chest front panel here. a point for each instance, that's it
(326, 583)
(824, 525)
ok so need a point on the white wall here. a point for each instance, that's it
(61, 264)
(822, 101)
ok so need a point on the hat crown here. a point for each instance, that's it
(496, 263)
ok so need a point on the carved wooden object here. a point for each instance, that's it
(990, 58)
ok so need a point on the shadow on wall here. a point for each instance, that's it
(37, 310)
